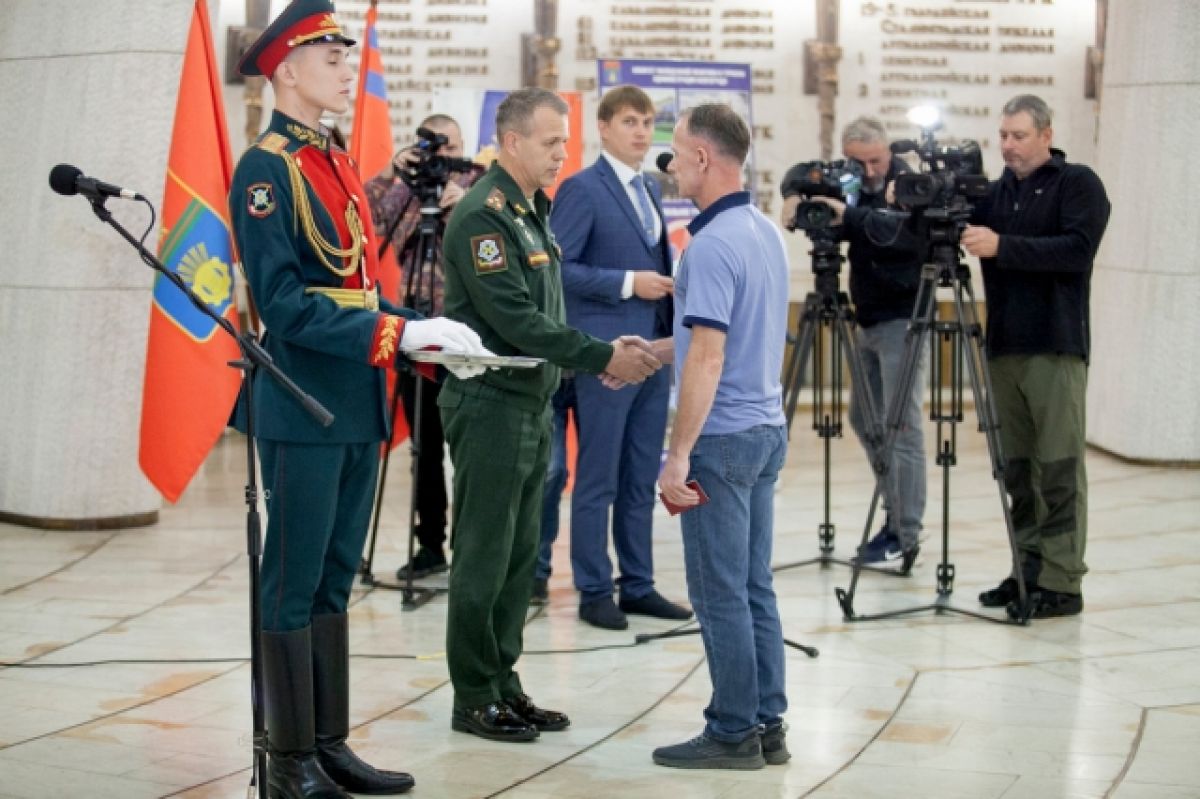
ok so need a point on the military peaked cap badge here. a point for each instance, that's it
(302, 22)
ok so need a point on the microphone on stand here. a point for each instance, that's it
(663, 161)
(67, 180)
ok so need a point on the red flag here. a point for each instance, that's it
(371, 149)
(189, 389)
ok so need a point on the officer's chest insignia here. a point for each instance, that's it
(260, 199)
(495, 200)
(489, 254)
(538, 259)
(520, 220)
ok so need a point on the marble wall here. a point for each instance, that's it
(1145, 375)
(90, 84)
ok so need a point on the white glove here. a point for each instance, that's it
(450, 336)
(443, 333)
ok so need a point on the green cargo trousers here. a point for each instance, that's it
(1040, 402)
(499, 443)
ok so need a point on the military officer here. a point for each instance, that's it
(503, 280)
(303, 228)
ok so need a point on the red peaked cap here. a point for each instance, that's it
(302, 22)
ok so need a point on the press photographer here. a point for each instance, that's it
(885, 266)
(410, 203)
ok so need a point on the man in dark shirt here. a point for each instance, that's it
(1037, 233)
(885, 269)
(397, 213)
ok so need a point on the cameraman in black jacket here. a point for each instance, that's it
(885, 270)
(1037, 233)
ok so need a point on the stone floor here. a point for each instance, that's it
(156, 702)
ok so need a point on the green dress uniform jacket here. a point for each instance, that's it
(304, 233)
(503, 279)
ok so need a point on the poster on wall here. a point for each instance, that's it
(675, 86)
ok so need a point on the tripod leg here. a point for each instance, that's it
(801, 347)
(985, 408)
(414, 437)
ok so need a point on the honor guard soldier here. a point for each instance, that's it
(303, 229)
(503, 279)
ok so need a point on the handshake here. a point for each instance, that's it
(634, 359)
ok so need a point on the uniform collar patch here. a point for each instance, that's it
(260, 199)
(307, 135)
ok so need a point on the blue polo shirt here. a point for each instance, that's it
(734, 278)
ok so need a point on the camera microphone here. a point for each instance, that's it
(663, 161)
(904, 146)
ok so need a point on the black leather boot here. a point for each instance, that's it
(293, 771)
(331, 681)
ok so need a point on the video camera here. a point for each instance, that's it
(951, 177)
(840, 180)
(431, 171)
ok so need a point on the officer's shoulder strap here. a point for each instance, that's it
(273, 143)
(495, 199)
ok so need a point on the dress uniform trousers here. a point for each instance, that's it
(500, 445)
(318, 509)
(1040, 401)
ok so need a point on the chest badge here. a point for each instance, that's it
(260, 200)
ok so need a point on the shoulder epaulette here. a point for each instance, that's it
(273, 143)
(495, 199)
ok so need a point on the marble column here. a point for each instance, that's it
(94, 85)
(1144, 382)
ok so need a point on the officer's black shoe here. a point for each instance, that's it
(1001, 595)
(544, 720)
(603, 613)
(293, 770)
(541, 592)
(656, 605)
(331, 689)
(1049, 604)
(424, 563)
(495, 721)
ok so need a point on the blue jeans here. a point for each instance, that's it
(727, 555)
(556, 474)
(882, 348)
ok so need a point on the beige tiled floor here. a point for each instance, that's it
(1106, 704)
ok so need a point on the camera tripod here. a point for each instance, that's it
(827, 314)
(419, 296)
(962, 338)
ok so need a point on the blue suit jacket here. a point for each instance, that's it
(601, 237)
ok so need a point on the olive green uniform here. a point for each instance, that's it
(503, 279)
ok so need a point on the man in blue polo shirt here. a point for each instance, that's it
(729, 436)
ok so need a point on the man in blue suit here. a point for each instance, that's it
(616, 269)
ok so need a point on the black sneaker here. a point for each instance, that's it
(424, 563)
(541, 592)
(1049, 604)
(774, 744)
(1001, 595)
(705, 752)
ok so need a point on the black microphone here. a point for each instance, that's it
(67, 180)
(663, 161)
(904, 146)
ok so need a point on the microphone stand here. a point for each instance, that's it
(254, 357)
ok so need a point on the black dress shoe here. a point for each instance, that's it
(544, 720)
(541, 592)
(1001, 595)
(495, 721)
(424, 563)
(603, 613)
(654, 604)
(350, 771)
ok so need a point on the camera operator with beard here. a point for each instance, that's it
(1036, 234)
(885, 271)
(392, 197)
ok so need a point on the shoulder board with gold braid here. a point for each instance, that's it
(273, 143)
